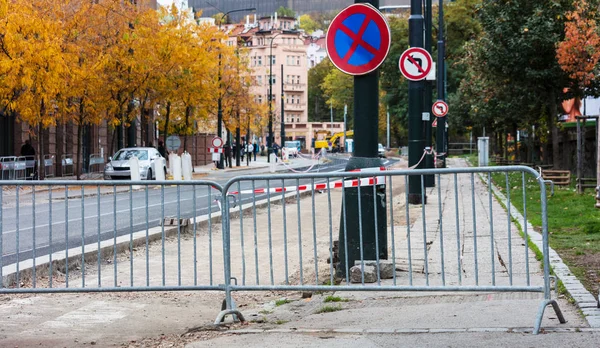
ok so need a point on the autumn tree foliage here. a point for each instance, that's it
(109, 62)
(579, 53)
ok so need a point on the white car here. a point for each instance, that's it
(118, 165)
(381, 151)
(291, 148)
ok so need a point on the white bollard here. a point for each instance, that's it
(273, 163)
(157, 169)
(284, 154)
(171, 160)
(176, 168)
(134, 170)
(186, 161)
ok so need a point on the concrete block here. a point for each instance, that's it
(386, 268)
(356, 274)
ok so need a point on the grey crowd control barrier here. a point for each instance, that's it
(67, 166)
(283, 232)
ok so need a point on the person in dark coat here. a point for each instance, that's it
(227, 154)
(27, 149)
(161, 149)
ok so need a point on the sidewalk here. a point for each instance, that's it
(367, 319)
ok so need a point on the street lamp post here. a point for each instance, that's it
(220, 100)
(270, 99)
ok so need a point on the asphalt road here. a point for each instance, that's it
(41, 228)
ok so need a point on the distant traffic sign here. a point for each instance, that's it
(415, 63)
(440, 108)
(217, 142)
(434, 123)
(173, 143)
(358, 39)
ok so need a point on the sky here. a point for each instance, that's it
(178, 3)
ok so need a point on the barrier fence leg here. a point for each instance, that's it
(229, 305)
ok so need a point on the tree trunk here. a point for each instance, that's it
(166, 130)
(41, 142)
(517, 152)
(188, 111)
(79, 136)
(552, 119)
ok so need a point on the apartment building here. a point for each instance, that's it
(277, 55)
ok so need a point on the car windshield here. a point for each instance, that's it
(380, 146)
(290, 144)
(126, 154)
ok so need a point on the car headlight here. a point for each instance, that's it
(108, 166)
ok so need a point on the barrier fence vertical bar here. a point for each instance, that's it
(50, 276)
(195, 212)
(458, 263)
(18, 249)
(331, 271)
(510, 263)
(148, 237)
(410, 273)
(255, 233)
(99, 255)
(441, 228)
(345, 207)
(67, 235)
(34, 244)
(162, 224)
(546, 251)
(474, 229)
(425, 251)
(270, 236)
(377, 265)
(210, 240)
(179, 235)
(115, 234)
(226, 247)
(392, 228)
(131, 235)
(491, 229)
(299, 232)
(285, 243)
(525, 223)
(239, 189)
(82, 236)
(314, 231)
(360, 234)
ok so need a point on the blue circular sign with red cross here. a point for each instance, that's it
(358, 39)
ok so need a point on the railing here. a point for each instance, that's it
(294, 87)
(297, 106)
(292, 232)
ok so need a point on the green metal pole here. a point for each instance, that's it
(427, 100)
(416, 90)
(371, 228)
(440, 142)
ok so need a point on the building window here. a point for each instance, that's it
(259, 60)
(298, 60)
(259, 80)
(260, 99)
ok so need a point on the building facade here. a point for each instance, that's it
(277, 55)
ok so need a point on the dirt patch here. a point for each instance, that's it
(586, 267)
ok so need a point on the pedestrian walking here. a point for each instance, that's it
(242, 151)
(227, 154)
(161, 149)
(255, 146)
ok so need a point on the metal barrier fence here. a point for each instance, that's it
(49, 166)
(462, 148)
(7, 166)
(67, 167)
(273, 232)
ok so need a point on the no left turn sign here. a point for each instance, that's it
(415, 63)
(440, 108)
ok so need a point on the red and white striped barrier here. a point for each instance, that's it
(380, 180)
(215, 150)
